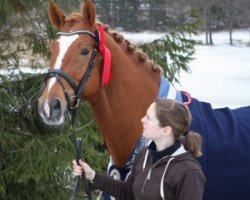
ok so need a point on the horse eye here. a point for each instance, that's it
(85, 51)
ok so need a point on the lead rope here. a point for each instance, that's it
(77, 142)
(78, 90)
(78, 151)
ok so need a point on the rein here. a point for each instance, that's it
(78, 89)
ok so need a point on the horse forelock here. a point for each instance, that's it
(76, 21)
(73, 18)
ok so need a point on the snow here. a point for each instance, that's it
(140, 38)
(18, 71)
(220, 74)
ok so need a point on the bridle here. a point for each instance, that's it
(58, 73)
(78, 89)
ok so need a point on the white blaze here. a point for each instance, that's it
(46, 108)
(64, 44)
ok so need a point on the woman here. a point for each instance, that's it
(167, 168)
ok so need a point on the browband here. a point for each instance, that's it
(78, 32)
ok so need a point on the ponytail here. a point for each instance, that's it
(192, 143)
(178, 117)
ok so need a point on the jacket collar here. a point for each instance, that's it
(157, 155)
(179, 151)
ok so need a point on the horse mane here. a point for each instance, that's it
(131, 48)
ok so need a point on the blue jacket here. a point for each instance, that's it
(226, 150)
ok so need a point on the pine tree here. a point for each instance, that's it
(35, 159)
(174, 51)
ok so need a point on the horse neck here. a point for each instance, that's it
(119, 107)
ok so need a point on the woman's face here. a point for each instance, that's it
(151, 128)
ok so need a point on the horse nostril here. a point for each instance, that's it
(56, 106)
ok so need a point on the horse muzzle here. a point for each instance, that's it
(52, 112)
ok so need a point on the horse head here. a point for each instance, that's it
(74, 57)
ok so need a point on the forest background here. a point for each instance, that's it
(26, 30)
(35, 160)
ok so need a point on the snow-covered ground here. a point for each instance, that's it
(220, 73)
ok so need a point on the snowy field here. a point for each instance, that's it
(220, 73)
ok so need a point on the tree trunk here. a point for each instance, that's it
(208, 20)
(231, 21)
(210, 37)
(204, 5)
(231, 35)
(207, 41)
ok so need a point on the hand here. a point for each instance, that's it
(78, 170)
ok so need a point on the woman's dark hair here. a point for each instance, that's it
(177, 116)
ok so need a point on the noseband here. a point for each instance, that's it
(78, 89)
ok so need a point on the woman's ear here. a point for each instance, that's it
(167, 130)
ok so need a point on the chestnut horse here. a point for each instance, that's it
(89, 61)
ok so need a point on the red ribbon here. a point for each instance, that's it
(106, 55)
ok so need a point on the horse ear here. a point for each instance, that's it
(56, 15)
(88, 11)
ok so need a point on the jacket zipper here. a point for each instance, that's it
(146, 179)
(149, 175)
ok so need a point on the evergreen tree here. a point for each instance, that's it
(23, 26)
(174, 51)
(35, 159)
(128, 11)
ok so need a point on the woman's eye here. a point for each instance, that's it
(85, 51)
